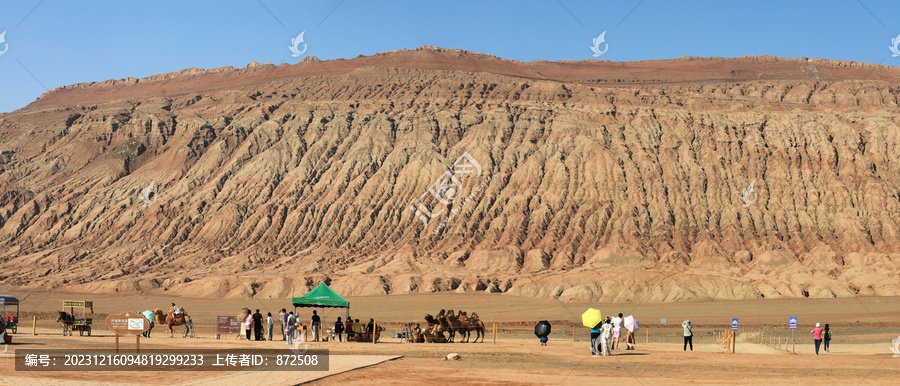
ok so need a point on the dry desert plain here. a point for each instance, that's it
(860, 352)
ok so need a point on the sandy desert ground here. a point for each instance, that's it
(860, 354)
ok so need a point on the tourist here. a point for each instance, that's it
(257, 325)
(339, 328)
(289, 328)
(605, 335)
(315, 326)
(817, 337)
(541, 330)
(248, 323)
(350, 333)
(283, 316)
(270, 322)
(688, 334)
(617, 330)
(629, 339)
(360, 329)
(370, 328)
(827, 337)
(595, 343)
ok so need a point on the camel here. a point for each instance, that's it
(416, 331)
(171, 321)
(434, 333)
(472, 324)
(68, 322)
(445, 325)
(457, 326)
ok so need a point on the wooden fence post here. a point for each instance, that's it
(34, 325)
(573, 334)
(495, 334)
(733, 340)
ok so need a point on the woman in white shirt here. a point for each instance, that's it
(605, 335)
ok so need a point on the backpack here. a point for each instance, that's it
(827, 335)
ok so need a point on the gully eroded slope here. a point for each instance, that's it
(586, 180)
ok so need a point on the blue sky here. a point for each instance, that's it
(54, 42)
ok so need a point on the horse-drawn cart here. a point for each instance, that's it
(11, 320)
(82, 324)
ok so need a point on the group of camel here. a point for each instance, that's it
(451, 323)
(161, 317)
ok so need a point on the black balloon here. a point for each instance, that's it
(542, 329)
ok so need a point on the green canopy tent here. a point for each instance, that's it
(321, 297)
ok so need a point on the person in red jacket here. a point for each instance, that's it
(350, 333)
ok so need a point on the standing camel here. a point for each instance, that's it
(472, 324)
(445, 325)
(171, 321)
(457, 326)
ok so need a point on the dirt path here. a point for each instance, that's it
(860, 354)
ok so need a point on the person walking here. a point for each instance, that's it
(629, 339)
(248, 324)
(826, 337)
(339, 328)
(688, 334)
(595, 340)
(817, 337)
(289, 328)
(257, 325)
(617, 331)
(282, 317)
(605, 335)
(270, 322)
(315, 326)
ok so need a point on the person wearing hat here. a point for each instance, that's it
(605, 336)
(688, 334)
(817, 336)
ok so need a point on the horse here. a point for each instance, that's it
(171, 321)
(68, 322)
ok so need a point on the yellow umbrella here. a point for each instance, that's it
(591, 318)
